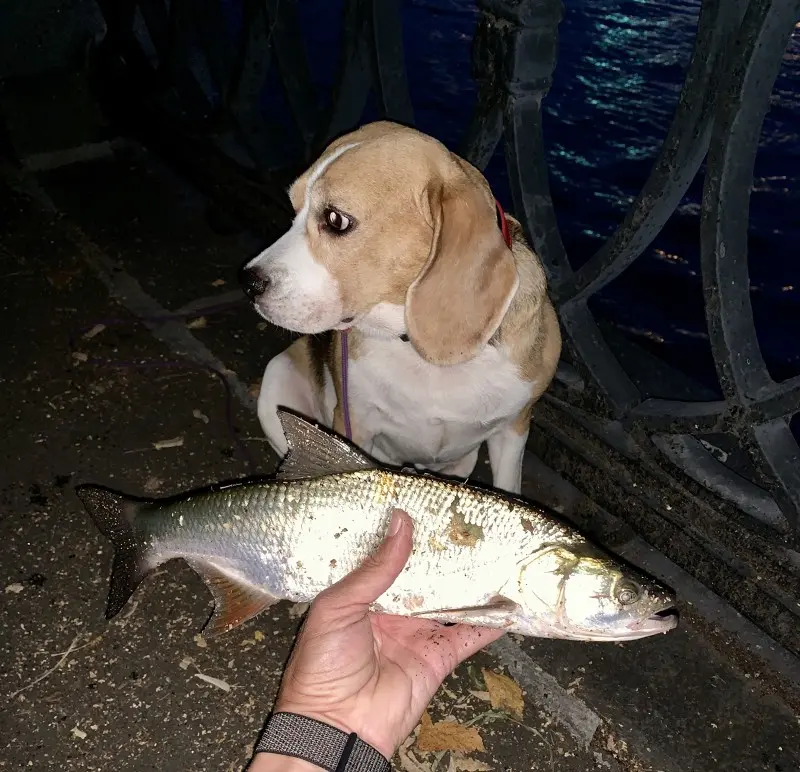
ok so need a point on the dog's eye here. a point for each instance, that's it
(336, 221)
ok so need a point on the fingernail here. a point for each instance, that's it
(395, 523)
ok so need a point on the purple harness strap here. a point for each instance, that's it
(348, 429)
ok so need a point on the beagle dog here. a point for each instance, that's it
(450, 335)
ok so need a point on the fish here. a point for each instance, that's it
(479, 556)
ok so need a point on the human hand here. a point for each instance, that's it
(373, 674)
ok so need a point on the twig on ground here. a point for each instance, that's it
(51, 670)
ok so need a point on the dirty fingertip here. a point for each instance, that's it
(399, 520)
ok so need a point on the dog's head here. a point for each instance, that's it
(393, 233)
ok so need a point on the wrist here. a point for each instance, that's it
(368, 733)
(271, 762)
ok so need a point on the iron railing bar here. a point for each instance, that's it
(485, 128)
(247, 80)
(684, 417)
(780, 400)
(156, 19)
(679, 157)
(118, 15)
(788, 390)
(217, 47)
(524, 142)
(704, 417)
(119, 18)
(753, 64)
(176, 66)
(526, 78)
(780, 455)
(353, 81)
(288, 45)
(678, 417)
(711, 530)
(388, 61)
(175, 48)
(687, 453)
(250, 10)
(597, 359)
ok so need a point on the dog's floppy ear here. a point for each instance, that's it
(460, 297)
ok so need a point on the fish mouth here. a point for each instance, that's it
(660, 622)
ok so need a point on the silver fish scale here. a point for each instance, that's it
(296, 538)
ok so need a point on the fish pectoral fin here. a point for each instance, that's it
(498, 606)
(234, 602)
(316, 452)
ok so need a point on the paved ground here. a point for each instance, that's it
(94, 375)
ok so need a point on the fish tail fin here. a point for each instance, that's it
(115, 515)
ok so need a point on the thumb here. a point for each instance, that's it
(378, 572)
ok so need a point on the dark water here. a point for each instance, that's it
(620, 69)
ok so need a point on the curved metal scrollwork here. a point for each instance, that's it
(754, 61)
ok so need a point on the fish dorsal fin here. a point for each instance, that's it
(316, 452)
(234, 601)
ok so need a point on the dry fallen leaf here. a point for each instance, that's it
(410, 763)
(447, 736)
(175, 442)
(218, 283)
(480, 695)
(218, 682)
(197, 323)
(200, 415)
(61, 279)
(254, 389)
(79, 356)
(504, 692)
(96, 330)
(469, 765)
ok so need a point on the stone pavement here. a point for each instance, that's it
(122, 327)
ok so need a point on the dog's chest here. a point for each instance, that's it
(418, 412)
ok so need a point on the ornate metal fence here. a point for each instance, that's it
(735, 528)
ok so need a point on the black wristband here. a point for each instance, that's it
(289, 734)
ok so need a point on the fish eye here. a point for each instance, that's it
(336, 221)
(627, 592)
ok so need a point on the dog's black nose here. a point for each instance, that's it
(253, 282)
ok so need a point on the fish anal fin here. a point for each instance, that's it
(234, 601)
(315, 451)
(495, 608)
